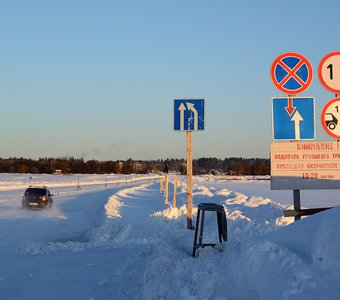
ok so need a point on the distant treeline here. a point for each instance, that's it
(230, 166)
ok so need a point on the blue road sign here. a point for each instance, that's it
(293, 118)
(189, 114)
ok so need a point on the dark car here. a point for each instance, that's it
(37, 197)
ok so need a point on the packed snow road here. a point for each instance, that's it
(53, 253)
(24, 231)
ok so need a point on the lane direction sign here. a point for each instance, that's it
(291, 73)
(293, 118)
(330, 117)
(329, 72)
(189, 114)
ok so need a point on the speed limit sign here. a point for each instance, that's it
(329, 72)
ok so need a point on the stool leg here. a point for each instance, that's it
(196, 232)
(224, 225)
(219, 226)
(201, 229)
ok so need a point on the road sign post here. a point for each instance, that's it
(189, 179)
(297, 203)
(189, 115)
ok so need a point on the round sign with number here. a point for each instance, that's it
(329, 72)
(330, 118)
(291, 73)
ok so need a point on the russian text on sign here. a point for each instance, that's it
(305, 165)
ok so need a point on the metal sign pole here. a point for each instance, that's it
(297, 203)
(189, 180)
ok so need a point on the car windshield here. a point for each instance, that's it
(35, 191)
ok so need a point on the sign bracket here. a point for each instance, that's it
(304, 212)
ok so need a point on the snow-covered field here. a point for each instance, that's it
(112, 237)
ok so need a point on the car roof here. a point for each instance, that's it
(37, 187)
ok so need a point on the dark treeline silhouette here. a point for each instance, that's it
(230, 166)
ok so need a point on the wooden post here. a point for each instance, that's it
(166, 190)
(189, 180)
(161, 185)
(78, 187)
(175, 191)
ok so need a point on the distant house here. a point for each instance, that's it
(57, 172)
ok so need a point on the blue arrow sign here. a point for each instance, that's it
(293, 118)
(189, 114)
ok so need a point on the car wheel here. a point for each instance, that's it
(331, 126)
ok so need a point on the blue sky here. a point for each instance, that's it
(97, 79)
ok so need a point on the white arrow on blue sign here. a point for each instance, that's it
(293, 118)
(189, 114)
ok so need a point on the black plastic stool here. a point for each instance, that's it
(221, 224)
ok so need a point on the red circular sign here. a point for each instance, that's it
(329, 72)
(330, 118)
(291, 73)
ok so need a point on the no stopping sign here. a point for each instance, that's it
(291, 73)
